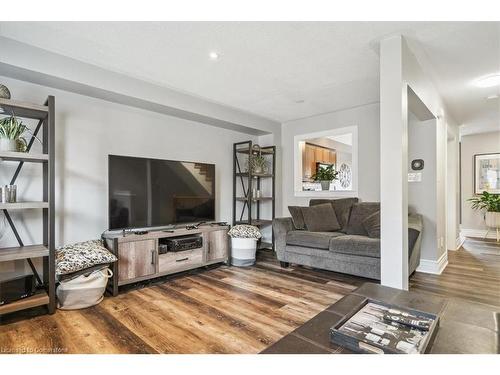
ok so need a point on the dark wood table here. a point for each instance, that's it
(465, 327)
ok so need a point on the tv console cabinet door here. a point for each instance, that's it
(218, 245)
(136, 259)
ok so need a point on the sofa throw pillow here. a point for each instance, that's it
(297, 217)
(82, 255)
(359, 212)
(372, 225)
(341, 206)
(320, 218)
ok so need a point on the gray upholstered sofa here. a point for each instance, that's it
(347, 250)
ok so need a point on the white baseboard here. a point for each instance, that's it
(478, 233)
(435, 267)
(458, 243)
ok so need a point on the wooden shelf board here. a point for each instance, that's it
(39, 299)
(23, 156)
(243, 199)
(264, 151)
(23, 205)
(23, 109)
(23, 252)
(265, 245)
(256, 222)
(261, 175)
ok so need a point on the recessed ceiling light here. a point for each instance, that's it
(213, 55)
(492, 97)
(488, 81)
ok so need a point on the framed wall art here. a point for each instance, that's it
(487, 173)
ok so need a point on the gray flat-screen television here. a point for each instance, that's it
(153, 193)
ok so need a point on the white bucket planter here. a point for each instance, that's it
(243, 251)
(8, 144)
(492, 220)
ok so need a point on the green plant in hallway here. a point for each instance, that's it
(11, 134)
(490, 203)
(325, 175)
(486, 201)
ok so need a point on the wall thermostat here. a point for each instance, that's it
(417, 164)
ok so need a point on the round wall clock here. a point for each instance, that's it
(345, 176)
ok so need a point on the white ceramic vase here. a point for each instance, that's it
(8, 144)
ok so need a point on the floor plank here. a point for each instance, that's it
(229, 309)
(221, 310)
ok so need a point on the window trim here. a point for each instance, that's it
(299, 141)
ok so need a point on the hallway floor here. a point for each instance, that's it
(473, 274)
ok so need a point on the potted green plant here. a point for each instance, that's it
(258, 164)
(11, 134)
(490, 203)
(325, 175)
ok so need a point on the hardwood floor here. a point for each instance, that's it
(222, 310)
(228, 309)
(472, 274)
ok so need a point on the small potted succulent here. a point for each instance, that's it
(11, 134)
(258, 164)
(325, 175)
(490, 204)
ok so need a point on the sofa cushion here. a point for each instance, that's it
(342, 208)
(318, 240)
(372, 225)
(82, 255)
(297, 217)
(359, 212)
(320, 218)
(356, 245)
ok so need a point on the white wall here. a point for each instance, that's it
(87, 130)
(472, 223)
(366, 118)
(453, 241)
(400, 69)
(422, 196)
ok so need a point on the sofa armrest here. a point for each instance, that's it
(281, 226)
(416, 222)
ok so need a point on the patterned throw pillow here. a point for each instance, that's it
(244, 231)
(82, 255)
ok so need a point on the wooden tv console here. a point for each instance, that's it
(139, 259)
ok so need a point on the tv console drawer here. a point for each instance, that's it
(171, 262)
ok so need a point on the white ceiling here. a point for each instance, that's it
(280, 70)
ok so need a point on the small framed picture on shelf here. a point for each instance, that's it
(487, 173)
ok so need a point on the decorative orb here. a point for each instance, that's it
(4, 92)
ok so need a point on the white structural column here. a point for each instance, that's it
(393, 165)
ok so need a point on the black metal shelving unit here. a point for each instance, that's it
(247, 209)
(45, 115)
